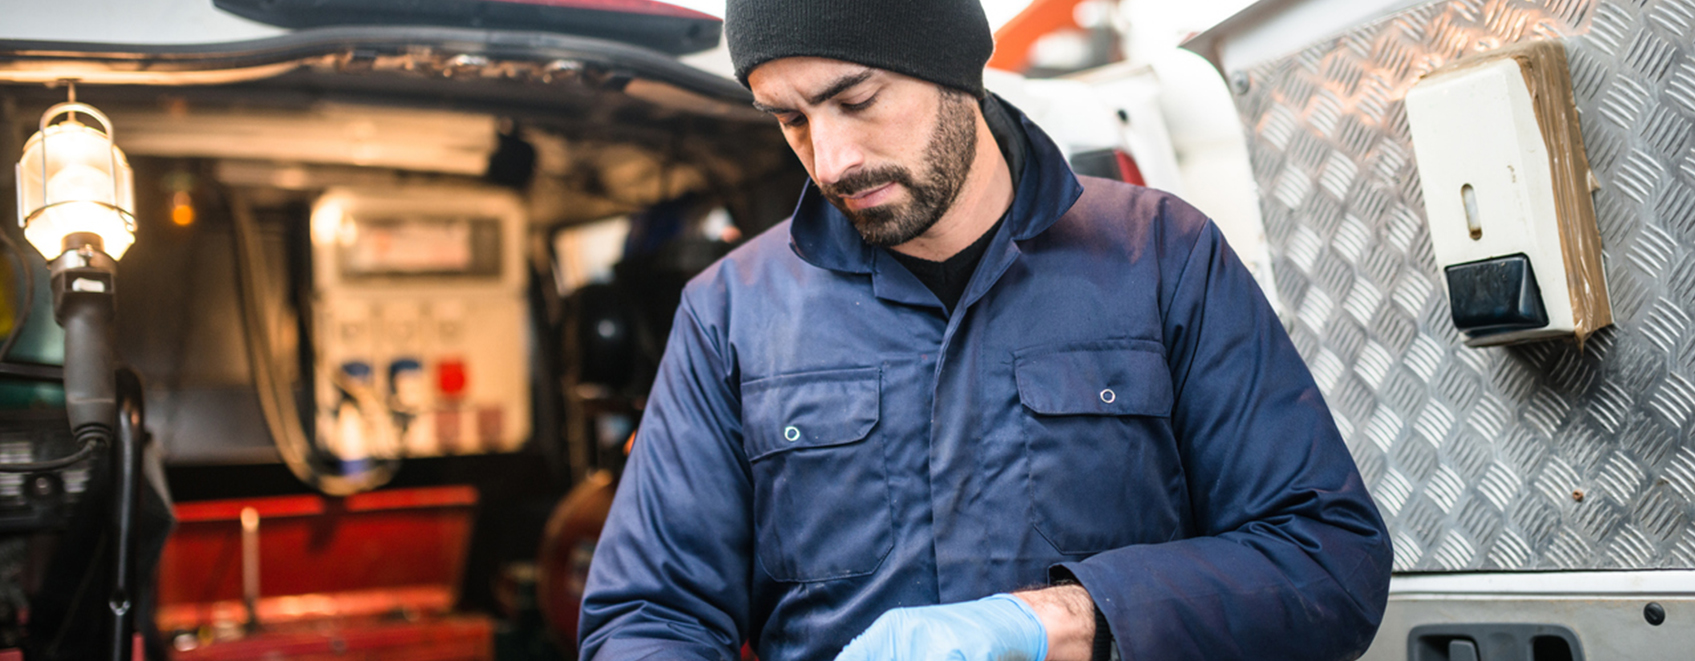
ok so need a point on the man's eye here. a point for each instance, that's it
(792, 120)
(856, 107)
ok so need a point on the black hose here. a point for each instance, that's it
(21, 318)
(92, 439)
(277, 404)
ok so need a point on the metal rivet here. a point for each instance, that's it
(792, 433)
(1109, 396)
(1654, 613)
(1241, 83)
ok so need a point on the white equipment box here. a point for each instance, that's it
(419, 320)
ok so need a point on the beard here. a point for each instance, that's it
(947, 163)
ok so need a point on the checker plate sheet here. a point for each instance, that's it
(1476, 456)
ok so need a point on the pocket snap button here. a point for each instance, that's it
(1109, 396)
(792, 433)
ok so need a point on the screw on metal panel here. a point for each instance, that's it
(1241, 83)
(1577, 495)
(42, 486)
(1654, 613)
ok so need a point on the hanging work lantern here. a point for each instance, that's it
(73, 180)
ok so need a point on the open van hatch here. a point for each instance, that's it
(641, 126)
(599, 129)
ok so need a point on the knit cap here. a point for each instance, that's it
(946, 42)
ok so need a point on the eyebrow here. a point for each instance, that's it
(842, 84)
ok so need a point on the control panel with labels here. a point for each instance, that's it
(419, 322)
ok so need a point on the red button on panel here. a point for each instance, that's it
(450, 377)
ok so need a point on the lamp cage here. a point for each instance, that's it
(73, 179)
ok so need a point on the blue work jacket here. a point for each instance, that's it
(1112, 400)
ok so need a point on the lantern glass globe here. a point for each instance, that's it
(72, 179)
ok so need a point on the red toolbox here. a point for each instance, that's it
(369, 577)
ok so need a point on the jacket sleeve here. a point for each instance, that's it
(1289, 558)
(670, 575)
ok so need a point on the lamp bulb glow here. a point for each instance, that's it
(80, 182)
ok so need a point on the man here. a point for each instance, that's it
(967, 405)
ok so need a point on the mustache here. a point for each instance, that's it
(864, 180)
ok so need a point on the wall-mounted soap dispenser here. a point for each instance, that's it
(1507, 194)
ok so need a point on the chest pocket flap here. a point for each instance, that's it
(811, 410)
(1109, 377)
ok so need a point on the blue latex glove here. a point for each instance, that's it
(997, 628)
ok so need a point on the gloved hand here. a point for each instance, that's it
(997, 628)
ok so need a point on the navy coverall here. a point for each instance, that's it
(1112, 400)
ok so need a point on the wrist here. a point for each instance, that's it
(1068, 615)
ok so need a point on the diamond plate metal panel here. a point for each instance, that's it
(1548, 456)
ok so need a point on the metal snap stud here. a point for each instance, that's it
(792, 433)
(1109, 396)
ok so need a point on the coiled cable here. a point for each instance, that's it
(277, 402)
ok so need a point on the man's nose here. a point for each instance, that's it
(835, 152)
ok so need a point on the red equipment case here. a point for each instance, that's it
(369, 577)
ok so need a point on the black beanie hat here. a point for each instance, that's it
(946, 42)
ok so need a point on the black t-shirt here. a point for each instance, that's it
(947, 278)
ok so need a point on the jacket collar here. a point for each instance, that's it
(825, 238)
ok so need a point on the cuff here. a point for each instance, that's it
(1103, 648)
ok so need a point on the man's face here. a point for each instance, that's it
(890, 151)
